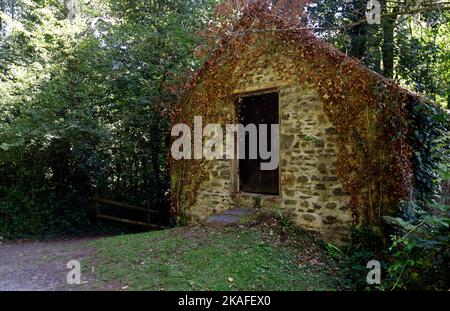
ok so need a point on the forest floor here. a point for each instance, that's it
(263, 255)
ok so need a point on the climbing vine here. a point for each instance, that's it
(429, 139)
(374, 161)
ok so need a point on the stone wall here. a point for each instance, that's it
(310, 191)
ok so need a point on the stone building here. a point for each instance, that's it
(308, 184)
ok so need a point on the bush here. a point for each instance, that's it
(421, 251)
(365, 245)
(40, 211)
(407, 262)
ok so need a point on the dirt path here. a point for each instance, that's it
(42, 266)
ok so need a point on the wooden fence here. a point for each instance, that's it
(146, 211)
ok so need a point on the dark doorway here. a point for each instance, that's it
(258, 109)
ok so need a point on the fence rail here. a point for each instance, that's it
(110, 203)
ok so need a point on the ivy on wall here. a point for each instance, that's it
(429, 125)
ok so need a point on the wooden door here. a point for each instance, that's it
(258, 109)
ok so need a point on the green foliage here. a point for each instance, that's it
(421, 240)
(417, 44)
(424, 56)
(420, 263)
(429, 126)
(365, 245)
(420, 251)
(19, 215)
(85, 107)
(334, 251)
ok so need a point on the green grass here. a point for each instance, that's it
(264, 257)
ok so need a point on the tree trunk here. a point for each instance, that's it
(388, 48)
(358, 33)
(388, 24)
(2, 9)
(358, 41)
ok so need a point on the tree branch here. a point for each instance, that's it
(435, 7)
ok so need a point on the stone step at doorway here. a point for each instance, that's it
(234, 216)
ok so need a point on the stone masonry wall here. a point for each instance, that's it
(310, 191)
